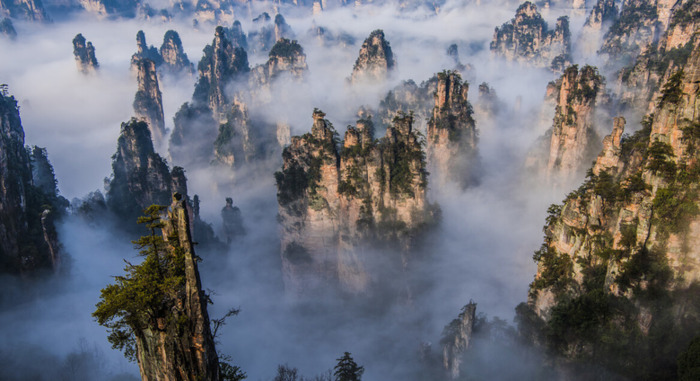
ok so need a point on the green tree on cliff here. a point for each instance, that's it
(145, 294)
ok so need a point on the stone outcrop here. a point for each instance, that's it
(375, 61)
(286, 56)
(639, 25)
(222, 64)
(237, 36)
(232, 221)
(7, 29)
(140, 177)
(29, 200)
(568, 148)
(121, 8)
(527, 38)
(32, 10)
(84, 55)
(148, 103)
(177, 343)
(214, 11)
(260, 40)
(456, 338)
(143, 51)
(336, 206)
(170, 59)
(409, 97)
(609, 156)
(452, 136)
(453, 53)
(326, 37)
(620, 257)
(639, 84)
(174, 57)
(236, 141)
(194, 133)
(602, 16)
(282, 29)
(488, 105)
(604, 12)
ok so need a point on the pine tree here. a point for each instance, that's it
(146, 292)
(347, 369)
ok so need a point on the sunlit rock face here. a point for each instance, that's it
(174, 57)
(84, 54)
(336, 204)
(527, 39)
(638, 26)
(452, 136)
(604, 12)
(375, 61)
(148, 102)
(121, 8)
(601, 17)
(567, 149)
(29, 200)
(627, 241)
(31, 10)
(639, 84)
(285, 57)
(177, 343)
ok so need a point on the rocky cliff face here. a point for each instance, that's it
(170, 59)
(572, 142)
(375, 61)
(7, 29)
(409, 97)
(286, 56)
(336, 205)
(121, 8)
(282, 29)
(84, 55)
(602, 16)
(194, 346)
(29, 201)
(640, 23)
(32, 10)
(452, 134)
(619, 271)
(604, 12)
(221, 65)
(148, 103)
(232, 221)
(143, 51)
(237, 36)
(526, 38)
(456, 338)
(639, 84)
(192, 137)
(236, 141)
(174, 57)
(140, 177)
(262, 38)
(169, 328)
